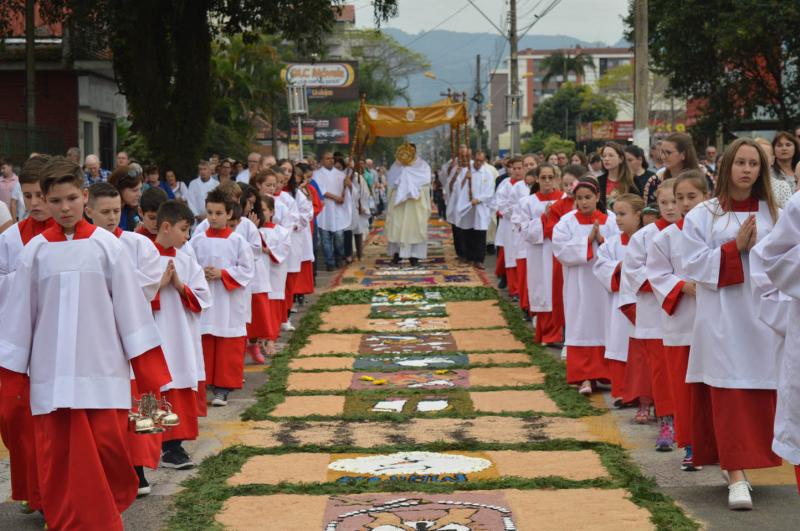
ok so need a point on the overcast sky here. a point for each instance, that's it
(590, 20)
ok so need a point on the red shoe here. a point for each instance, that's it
(255, 353)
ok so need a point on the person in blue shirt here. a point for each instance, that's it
(128, 181)
(152, 179)
(94, 173)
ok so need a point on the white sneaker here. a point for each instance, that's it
(563, 353)
(287, 326)
(739, 496)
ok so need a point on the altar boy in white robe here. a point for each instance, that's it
(410, 201)
(474, 209)
(82, 322)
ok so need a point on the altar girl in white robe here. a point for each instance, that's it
(646, 359)
(277, 246)
(676, 296)
(733, 357)
(507, 197)
(539, 252)
(780, 255)
(608, 270)
(576, 239)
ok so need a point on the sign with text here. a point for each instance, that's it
(334, 81)
(325, 130)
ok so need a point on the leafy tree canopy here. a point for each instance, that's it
(570, 105)
(739, 58)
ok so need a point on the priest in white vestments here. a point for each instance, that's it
(409, 181)
(474, 209)
(336, 215)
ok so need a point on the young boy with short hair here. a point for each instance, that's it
(152, 179)
(16, 423)
(227, 260)
(104, 208)
(151, 201)
(183, 294)
(81, 324)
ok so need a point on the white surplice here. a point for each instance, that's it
(730, 347)
(145, 261)
(607, 269)
(334, 217)
(279, 244)
(198, 190)
(538, 249)
(586, 301)
(779, 255)
(477, 217)
(507, 199)
(80, 317)
(229, 314)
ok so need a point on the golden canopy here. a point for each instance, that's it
(374, 121)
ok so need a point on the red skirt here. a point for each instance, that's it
(145, 449)
(202, 399)
(277, 315)
(677, 361)
(258, 326)
(558, 294)
(224, 360)
(85, 470)
(305, 279)
(16, 429)
(500, 263)
(659, 376)
(511, 279)
(547, 330)
(638, 380)
(733, 427)
(616, 370)
(522, 283)
(586, 363)
(184, 404)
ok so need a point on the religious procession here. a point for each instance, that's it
(392, 265)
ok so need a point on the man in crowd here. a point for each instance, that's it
(123, 159)
(253, 164)
(74, 154)
(336, 215)
(93, 172)
(199, 188)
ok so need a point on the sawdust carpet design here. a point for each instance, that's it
(420, 406)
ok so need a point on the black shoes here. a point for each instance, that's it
(176, 458)
(396, 258)
(414, 261)
(502, 284)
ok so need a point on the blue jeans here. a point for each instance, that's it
(333, 247)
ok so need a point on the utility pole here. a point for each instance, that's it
(513, 104)
(478, 99)
(641, 100)
(30, 75)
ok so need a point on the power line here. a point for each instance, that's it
(486, 16)
(537, 18)
(423, 34)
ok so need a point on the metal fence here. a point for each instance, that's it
(14, 141)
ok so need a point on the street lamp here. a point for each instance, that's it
(297, 98)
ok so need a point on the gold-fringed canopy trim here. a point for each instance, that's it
(377, 120)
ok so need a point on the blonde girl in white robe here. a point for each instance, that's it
(733, 357)
(676, 296)
(576, 239)
(646, 359)
(608, 270)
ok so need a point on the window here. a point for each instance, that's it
(88, 138)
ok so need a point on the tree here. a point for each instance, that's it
(162, 55)
(561, 64)
(570, 105)
(739, 58)
(547, 144)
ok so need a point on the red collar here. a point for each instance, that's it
(83, 230)
(748, 205)
(269, 225)
(625, 238)
(662, 223)
(117, 232)
(29, 228)
(555, 195)
(164, 251)
(219, 233)
(144, 232)
(679, 223)
(515, 181)
(583, 219)
(276, 194)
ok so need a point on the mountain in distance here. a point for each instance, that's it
(451, 55)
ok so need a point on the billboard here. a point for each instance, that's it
(325, 130)
(333, 81)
